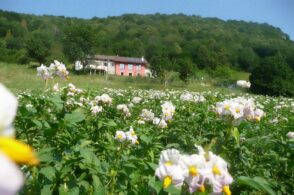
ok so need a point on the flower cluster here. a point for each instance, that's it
(147, 115)
(136, 100)
(129, 136)
(290, 134)
(188, 97)
(104, 98)
(244, 84)
(194, 170)
(168, 110)
(11, 150)
(124, 108)
(239, 109)
(96, 109)
(56, 68)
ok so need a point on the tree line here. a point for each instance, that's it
(177, 42)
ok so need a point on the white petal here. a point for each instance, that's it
(11, 178)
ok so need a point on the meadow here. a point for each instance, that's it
(21, 78)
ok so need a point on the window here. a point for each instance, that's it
(122, 74)
(139, 66)
(130, 74)
(105, 64)
(121, 66)
(130, 66)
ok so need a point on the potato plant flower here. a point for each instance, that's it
(194, 170)
(11, 150)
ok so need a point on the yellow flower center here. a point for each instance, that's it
(227, 190)
(193, 171)
(257, 118)
(168, 163)
(18, 151)
(119, 136)
(227, 107)
(238, 110)
(216, 170)
(202, 188)
(167, 181)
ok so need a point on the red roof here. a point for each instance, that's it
(129, 60)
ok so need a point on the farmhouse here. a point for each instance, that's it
(118, 65)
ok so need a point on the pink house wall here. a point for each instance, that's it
(126, 70)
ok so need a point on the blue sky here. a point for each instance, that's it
(279, 13)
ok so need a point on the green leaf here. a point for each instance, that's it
(46, 190)
(152, 165)
(155, 185)
(145, 139)
(257, 183)
(48, 172)
(111, 123)
(173, 190)
(236, 135)
(74, 117)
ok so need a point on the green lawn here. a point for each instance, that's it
(24, 78)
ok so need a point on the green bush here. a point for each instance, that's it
(273, 77)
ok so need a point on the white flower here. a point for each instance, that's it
(192, 166)
(187, 97)
(170, 175)
(159, 122)
(11, 178)
(56, 87)
(120, 136)
(59, 69)
(136, 100)
(8, 107)
(104, 98)
(169, 157)
(290, 134)
(168, 110)
(147, 115)
(125, 109)
(131, 136)
(43, 72)
(96, 109)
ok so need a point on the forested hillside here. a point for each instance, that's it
(169, 42)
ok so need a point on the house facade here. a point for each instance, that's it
(118, 65)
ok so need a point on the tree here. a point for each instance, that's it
(78, 41)
(273, 77)
(39, 46)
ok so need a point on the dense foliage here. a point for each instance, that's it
(80, 153)
(176, 43)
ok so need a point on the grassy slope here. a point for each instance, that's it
(23, 77)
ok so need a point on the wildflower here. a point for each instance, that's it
(56, 87)
(43, 72)
(168, 110)
(169, 157)
(170, 175)
(125, 109)
(159, 122)
(11, 150)
(8, 109)
(120, 136)
(290, 134)
(104, 98)
(136, 100)
(131, 136)
(96, 109)
(147, 115)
